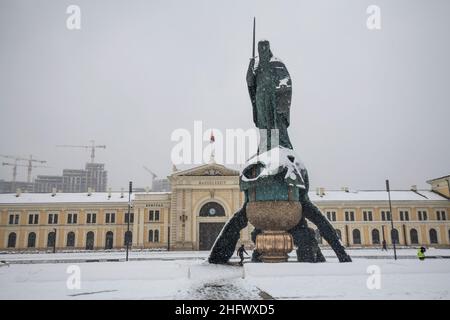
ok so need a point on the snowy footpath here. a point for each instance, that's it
(192, 278)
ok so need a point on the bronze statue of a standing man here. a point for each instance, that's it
(270, 88)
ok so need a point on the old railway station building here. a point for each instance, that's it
(201, 201)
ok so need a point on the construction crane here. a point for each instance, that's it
(30, 165)
(15, 165)
(152, 173)
(93, 146)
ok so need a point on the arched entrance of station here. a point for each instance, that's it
(209, 231)
(208, 234)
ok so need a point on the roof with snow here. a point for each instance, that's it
(116, 197)
(377, 195)
(94, 197)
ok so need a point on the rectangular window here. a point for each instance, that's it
(385, 215)
(52, 218)
(72, 218)
(331, 215)
(91, 218)
(156, 215)
(367, 215)
(422, 215)
(110, 218)
(33, 219)
(349, 216)
(151, 215)
(404, 215)
(441, 215)
(13, 219)
(132, 217)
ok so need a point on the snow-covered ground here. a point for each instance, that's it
(192, 278)
(186, 255)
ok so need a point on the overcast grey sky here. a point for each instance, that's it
(367, 105)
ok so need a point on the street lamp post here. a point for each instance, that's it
(168, 238)
(54, 242)
(392, 218)
(127, 237)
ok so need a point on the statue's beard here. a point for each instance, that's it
(264, 60)
(265, 57)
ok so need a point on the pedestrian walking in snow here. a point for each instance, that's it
(384, 246)
(240, 253)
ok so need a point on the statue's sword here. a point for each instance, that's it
(254, 24)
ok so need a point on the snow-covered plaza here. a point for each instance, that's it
(185, 275)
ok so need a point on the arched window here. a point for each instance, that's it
(31, 240)
(156, 236)
(318, 236)
(414, 236)
(375, 236)
(12, 240)
(70, 239)
(394, 236)
(150, 235)
(128, 238)
(339, 234)
(51, 239)
(90, 240)
(212, 209)
(356, 236)
(109, 240)
(433, 236)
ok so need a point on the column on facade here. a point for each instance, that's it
(141, 213)
(135, 226)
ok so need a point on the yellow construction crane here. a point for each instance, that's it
(30, 165)
(93, 146)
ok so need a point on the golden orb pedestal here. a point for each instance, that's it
(274, 218)
(274, 246)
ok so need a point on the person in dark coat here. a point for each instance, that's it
(384, 246)
(240, 253)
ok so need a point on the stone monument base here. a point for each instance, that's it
(274, 246)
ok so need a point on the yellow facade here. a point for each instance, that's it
(180, 219)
